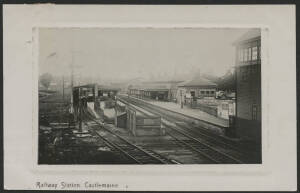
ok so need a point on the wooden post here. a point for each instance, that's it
(80, 112)
(80, 116)
(128, 118)
(134, 122)
(116, 113)
(95, 92)
(63, 88)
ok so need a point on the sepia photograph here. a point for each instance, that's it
(149, 96)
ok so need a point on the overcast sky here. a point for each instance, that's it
(131, 53)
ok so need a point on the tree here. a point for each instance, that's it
(227, 82)
(45, 80)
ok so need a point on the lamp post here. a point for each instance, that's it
(63, 88)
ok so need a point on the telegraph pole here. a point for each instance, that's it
(72, 74)
(71, 110)
(80, 105)
(80, 111)
(76, 111)
(63, 99)
(63, 88)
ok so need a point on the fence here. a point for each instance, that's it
(208, 109)
(218, 108)
(138, 123)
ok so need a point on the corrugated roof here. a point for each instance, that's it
(85, 86)
(197, 81)
(253, 33)
(108, 87)
(149, 87)
(162, 81)
(100, 87)
(156, 87)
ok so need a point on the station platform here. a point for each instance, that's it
(194, 113)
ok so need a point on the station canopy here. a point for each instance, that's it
(151, 87)
(100, 87)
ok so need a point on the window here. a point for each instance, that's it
(254, 112)
(254, 70)
(241, 55)
(212, 92)
(245, 73)
(254, 53)
(249, 54)
(202, 92)
(193, 93)
(207, 92)
(245, 55)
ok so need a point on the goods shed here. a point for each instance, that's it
(155, 90)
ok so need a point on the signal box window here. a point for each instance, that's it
(241, 55)
(245, 73)
(245, 55)
(254, 112)
(254, 53)
(249, 54)
(192, 93)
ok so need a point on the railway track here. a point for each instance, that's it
(206, 150)
(137, 154)
(202, 143)
(183, 123)
(214, 140)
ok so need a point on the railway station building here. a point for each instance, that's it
(156, 90)
(248, 86)
(197, 88)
